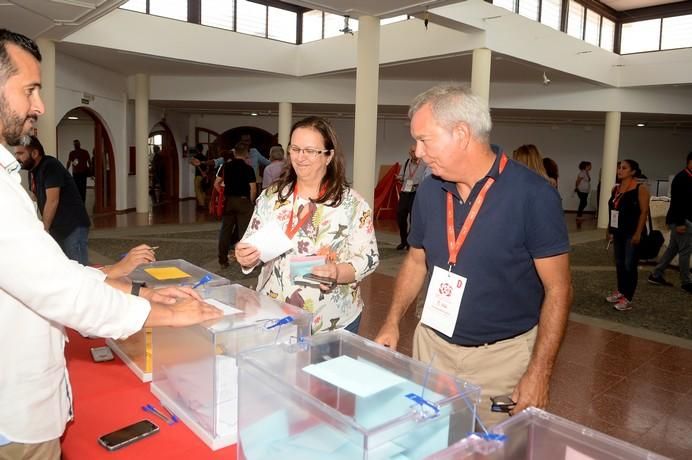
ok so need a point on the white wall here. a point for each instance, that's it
(74, 78)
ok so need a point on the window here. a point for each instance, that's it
(252, 18)
(174, 9)
(677, 32)
(640, 36)
(551, 13)
(312, 26)
(529, 9)
(282, 25)
(506, 4)
(218, 13)
(592, 29)
(607, 34)
(394, 19)
(575, 20)
(135, 5)
(333, 23)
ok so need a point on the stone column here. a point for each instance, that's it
(47, 123)
(611, 144)
(142, 140)
(480, 73)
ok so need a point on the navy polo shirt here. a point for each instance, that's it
(520, 220)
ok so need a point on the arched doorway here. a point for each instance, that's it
(162, 137)
(86, 125)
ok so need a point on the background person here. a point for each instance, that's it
(59, 202)
(629, 209)
(80, 162)
(322, 215)
(273, 171)
(410, 178)
(583, 186)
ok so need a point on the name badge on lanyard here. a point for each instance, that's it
(446, 290)
(408, 186)
(614, 215)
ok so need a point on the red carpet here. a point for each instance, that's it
(108, 396)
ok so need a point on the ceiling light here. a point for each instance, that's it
(641, 125)
(253, 114)
(72, 117)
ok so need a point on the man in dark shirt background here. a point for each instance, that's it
(240, 191)
(60, 204)
(679, 219)
(80, 161)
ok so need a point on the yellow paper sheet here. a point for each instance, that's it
(166, 273)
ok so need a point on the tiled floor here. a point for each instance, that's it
(619, 383)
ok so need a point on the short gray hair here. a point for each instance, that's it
(451, 104)
(276, 153)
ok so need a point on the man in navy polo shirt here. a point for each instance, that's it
(492, 234)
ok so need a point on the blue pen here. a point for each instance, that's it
(204, 280)
(152, 410)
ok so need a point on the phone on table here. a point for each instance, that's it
(502, 403)
(128, 435)
(100, 354)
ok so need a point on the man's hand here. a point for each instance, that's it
(388, 335)
(169, 295)
(532, 390)
(142, 254)
(183, 313)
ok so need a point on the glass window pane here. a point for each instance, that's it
(593, 27)
(282, 25)
(529, 9)
(677, 32)
(174, 9)
(575, 20)
(135, 5)
(312, 26)
(640, 36)
(218, 13)
(607, 34)
(506, 4)
(252, 18)
(332, 25)
(394, 19)
(551, 13)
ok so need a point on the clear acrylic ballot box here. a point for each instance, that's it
(195, 371)
(339, 396)
(135, 351)
(534, 434)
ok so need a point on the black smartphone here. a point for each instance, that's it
(100, 354)
(128, 435)
(502, 403)
(320, 279)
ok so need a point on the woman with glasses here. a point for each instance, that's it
(330, 227)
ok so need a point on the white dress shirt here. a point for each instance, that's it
(41, 291)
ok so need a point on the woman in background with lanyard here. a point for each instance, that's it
(330, 227)
(629, 208)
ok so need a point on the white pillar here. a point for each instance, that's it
(367, 79)
(611, 143)
(480, 73)
(142, 140)
(285, 118)
(47, 124)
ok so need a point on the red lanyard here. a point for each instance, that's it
(618, 196)
(290, 229)
(688, 171)
(412, 173)
(455, 247)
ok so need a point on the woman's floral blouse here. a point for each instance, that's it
(344, 234)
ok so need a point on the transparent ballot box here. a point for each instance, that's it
(135, 351)
(339, 396)
(195, 373)
(534, 434)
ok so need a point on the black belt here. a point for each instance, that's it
(494, 342)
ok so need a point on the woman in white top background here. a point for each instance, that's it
(583, 187)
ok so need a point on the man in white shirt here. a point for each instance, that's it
(41, 291)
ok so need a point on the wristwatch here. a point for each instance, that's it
(136, 286)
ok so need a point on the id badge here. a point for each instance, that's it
(443, 301)
(614, 214)
(75, 162)
(408, 185)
